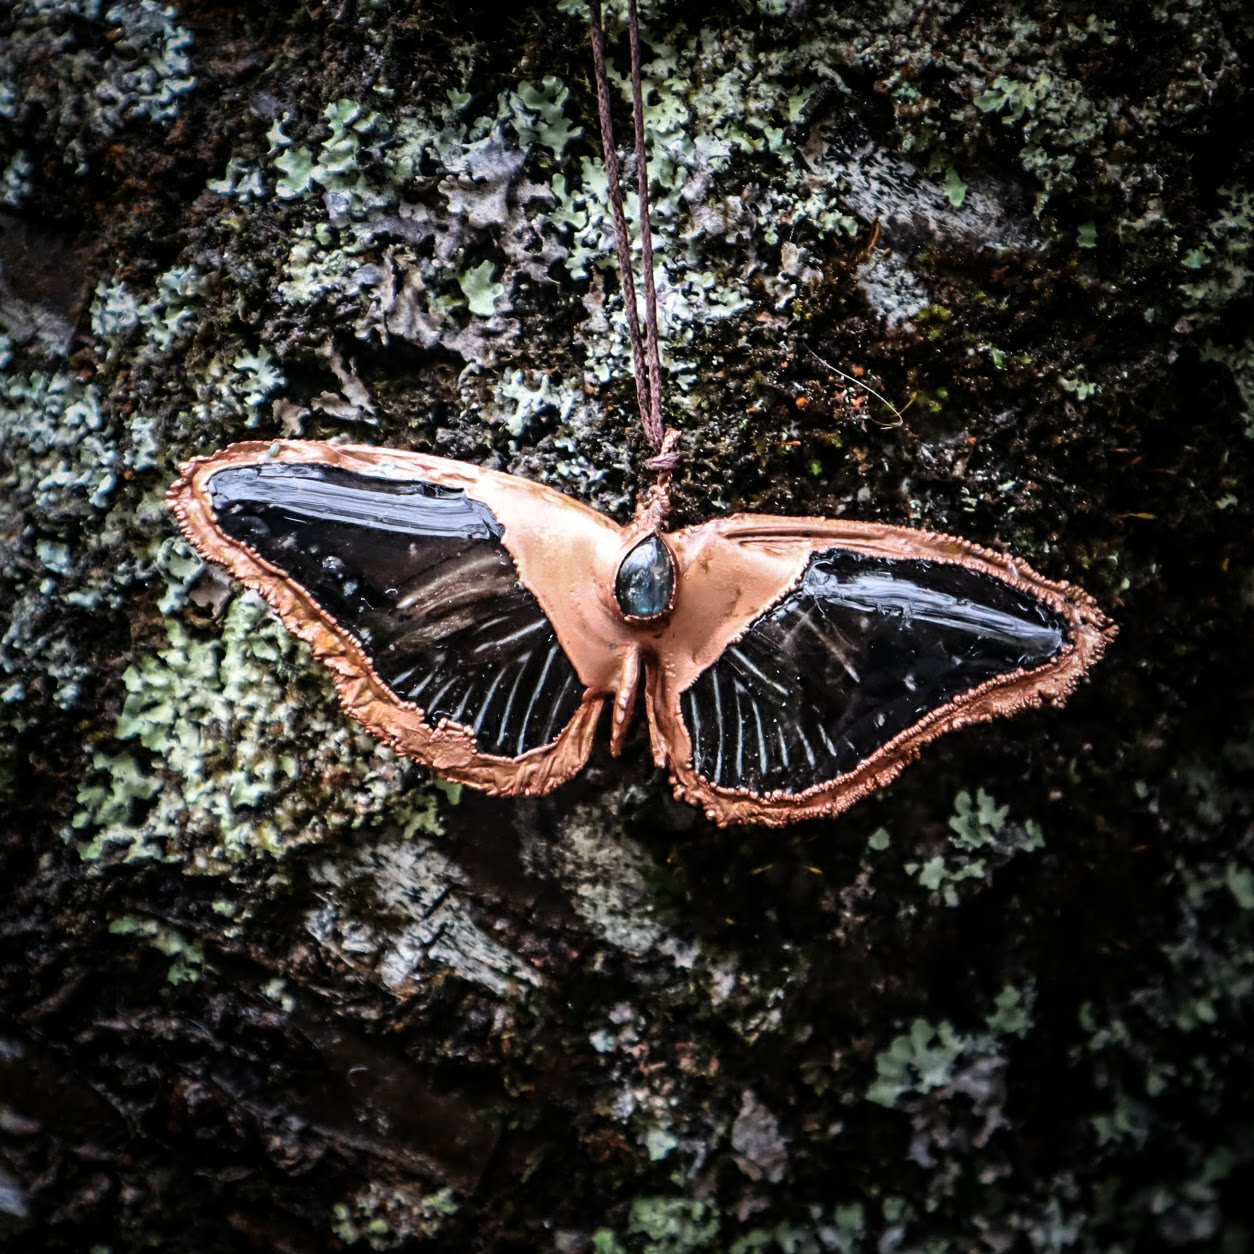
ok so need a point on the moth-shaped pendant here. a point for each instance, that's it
(479, 622)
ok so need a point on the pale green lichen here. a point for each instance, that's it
(521, 396)
(388, 1216)
(63, 461)
(260, 377)
(130, 63)
(659, 1142)
(239, 750)
(518, 197)
(187, 956)
(981, 840)
(336, 168)
(976, 823)
(672, 1225)
(57, 419)
(240, 180)
(15, 180)
(1013, 99)
(1079, 387)
(154, 65)
(916, 1062)
(165, 319)
(480, 290)
(660, 1224)
(539, 114)
(955, 188)
(937, 1058)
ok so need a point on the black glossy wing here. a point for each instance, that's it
(861, 650)
(416, 573)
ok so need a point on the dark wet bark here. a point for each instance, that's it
(263, 987)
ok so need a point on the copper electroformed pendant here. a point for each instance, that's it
(478, 622)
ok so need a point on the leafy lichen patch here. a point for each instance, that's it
(385, 1216)
(186, 956)
(982, 839)
(236, 747)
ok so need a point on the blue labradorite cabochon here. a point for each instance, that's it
(646, 580)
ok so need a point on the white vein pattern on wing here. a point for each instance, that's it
(448, 683)
(513, 694)
(557, 705)
(456, 715)
(757, 718)
(746, 664)
(718, 714)
(538, 625)
(832, 642)
(537, 691)
(697, 741)
(487, 700)
(740, 735)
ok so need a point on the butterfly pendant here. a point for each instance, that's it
(479, 622)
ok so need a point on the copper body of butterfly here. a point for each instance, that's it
(479, 623)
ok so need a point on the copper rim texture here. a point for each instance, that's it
(729, 572)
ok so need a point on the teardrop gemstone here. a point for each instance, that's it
(646, 580)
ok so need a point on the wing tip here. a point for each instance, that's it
(1002, 697)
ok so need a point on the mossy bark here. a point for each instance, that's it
(263, 985)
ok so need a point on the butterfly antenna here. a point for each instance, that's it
(645, 352)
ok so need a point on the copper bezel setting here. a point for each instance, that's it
(634, 541)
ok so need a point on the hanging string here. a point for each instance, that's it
(645, 352)
(654, 427)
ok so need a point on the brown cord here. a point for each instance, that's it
(645, 352)
(653, 424)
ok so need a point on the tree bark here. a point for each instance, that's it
(264, 985)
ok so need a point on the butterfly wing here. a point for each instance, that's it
(807, 662)
(430, 588)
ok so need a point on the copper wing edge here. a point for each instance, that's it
(1005, 695)
(448, 747)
